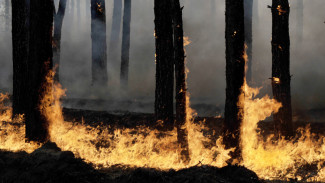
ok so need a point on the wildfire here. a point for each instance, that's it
(143, 147)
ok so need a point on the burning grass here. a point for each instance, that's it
(103, 147)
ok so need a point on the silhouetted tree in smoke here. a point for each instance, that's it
(164, 63)
(39, 66)
(115, 32)
(72, 9)
(248, 9)
(20, 35)
(235, 73)
(58, 21)
(125, 44)
(78, 12)
(7, 15)
(180, 76)
(300, 20)
(99, 46)
(281, 66)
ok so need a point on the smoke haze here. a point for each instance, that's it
(204, 24)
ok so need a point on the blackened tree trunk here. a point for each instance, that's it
(300, 21)
(180, 76)
(39, 67)
(281, 66)
(20, 34)
(164, 63)
(235, 73)
(99, 46)
(115, 32)
(58, 21)
(125, 44)
(7, 15)
(248, 11)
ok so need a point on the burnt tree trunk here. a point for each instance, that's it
(300, 21)
(99, 46)
(180, 77)
(164, 64)
(58, 21)
(115, 32)
(125, 44)
(235, 73)
(281, 67)
(248, 11)
(20, 34)
(7, 15)
(39, 67)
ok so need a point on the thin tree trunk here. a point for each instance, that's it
(300, 21)
(78, 12)
(248, 10)
(125, 44)
(39, 67)
(72, 9)
(7, 15)
(58, 21)
(180, 76)
(115, 32)
(235, 73)
(164, 64)
(20, 34)
(99, 46)
(281, 66)
(213, 7)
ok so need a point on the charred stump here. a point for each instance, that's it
(248, 7)
(20, 35)
(124, 77)
(164, 63)
(58, 21)
(281, 67)
(39, 67)
(235, 73)
(98, 36)
(180, 77)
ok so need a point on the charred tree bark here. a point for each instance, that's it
(20, 35)
(125, 44)
(7, 15)
(248, 11)
(58, 21)
(99, 46)
(300, 21)
(235, 73)
(39, 67)
(180, 76)
(281, 67)
(164, 64)
(115, 32)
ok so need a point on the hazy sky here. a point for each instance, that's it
(204, 25)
